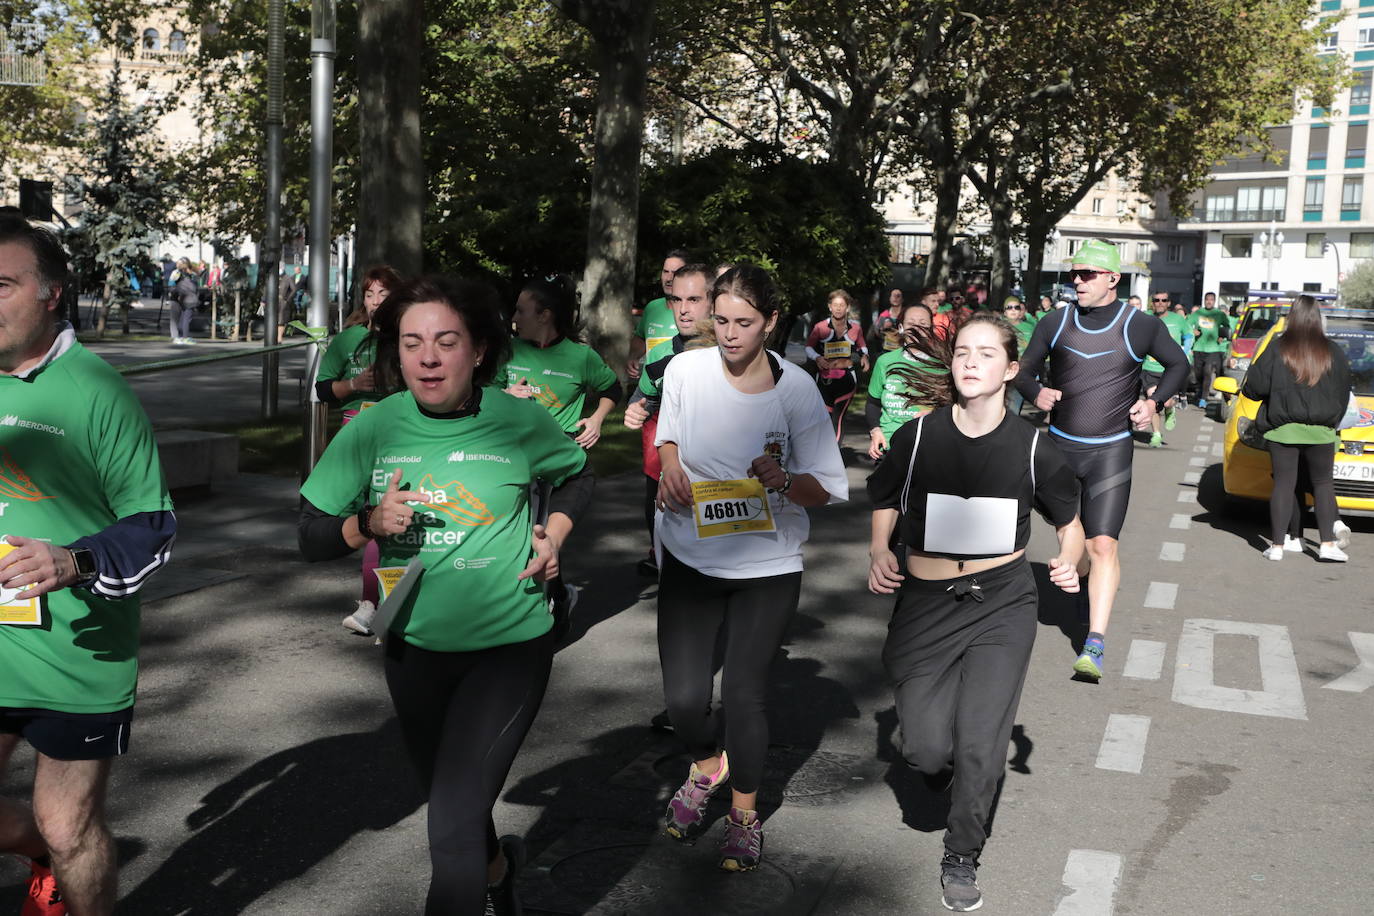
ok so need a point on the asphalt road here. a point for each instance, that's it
(1221, 767)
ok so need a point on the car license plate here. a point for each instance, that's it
(1353, 470)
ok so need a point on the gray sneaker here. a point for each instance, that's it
(360, 621)
(959, 883)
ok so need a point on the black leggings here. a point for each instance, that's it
(958, 665)
(463, 717)
(837, 393)
(1283, 502)
(692, 607)
(1104, 476)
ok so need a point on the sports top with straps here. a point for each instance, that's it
(1099, 376)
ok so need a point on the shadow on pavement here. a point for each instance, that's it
(279, 818)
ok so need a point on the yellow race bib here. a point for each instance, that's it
(725, 507)
(838, 349)
(14, 610)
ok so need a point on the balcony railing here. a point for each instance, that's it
(1232, 215)
(21, 57)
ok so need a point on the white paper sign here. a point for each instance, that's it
(978, 526)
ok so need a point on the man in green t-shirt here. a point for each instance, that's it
(1211, 329)
(1152, 370)
(85, 509)
(656, 323)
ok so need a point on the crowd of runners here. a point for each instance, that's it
(462, 470)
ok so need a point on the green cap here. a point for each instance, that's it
(1100, 254)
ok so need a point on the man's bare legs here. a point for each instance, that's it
(69, 810)
(18, 832)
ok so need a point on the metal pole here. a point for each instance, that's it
(271, 243)
(323, 28)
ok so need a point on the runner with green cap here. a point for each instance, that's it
(1095, 350)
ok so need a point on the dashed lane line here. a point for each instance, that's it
(1187, 496)
(1216, 450)
(1172, 552)
(1123, 743)
(1161, 595)
(1198, 461)
(1181, 521)
(1192, 477)
(1091, 878)
(1144, 660)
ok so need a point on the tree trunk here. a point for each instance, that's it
(1036, 234)
(608, 283)
(106, 300)
(999, 280)
(948, 183)
(391, 193)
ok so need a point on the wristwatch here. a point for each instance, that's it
(84, 558)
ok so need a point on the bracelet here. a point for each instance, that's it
(786, 482)
(365, 521)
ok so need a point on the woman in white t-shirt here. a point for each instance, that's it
(745, 444)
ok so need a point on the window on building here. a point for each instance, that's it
(1360, 91)
(1327, 42)
(1071, 246)
(1311, 287)
(1097, 206)
(1366, 36)
(1362, 244)
(1313, 194)
(152, 41)
(1143, 252)
(1355, 138)
(1121, 208)
(1174, 253)
(1352, 195)
(1317, 141)
(176, 42)
(1315, 243)
(1146, 209)
(1237, 246)
(1273, 200)
(1221, 208)
(1247, 203)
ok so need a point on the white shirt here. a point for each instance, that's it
(719, 431)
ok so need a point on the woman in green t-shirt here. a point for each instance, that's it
(550, 364)
(346, 380)
(888, 407)
(443, 473)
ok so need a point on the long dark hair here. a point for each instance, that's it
(1303, 344)
(475, 303)
(384, 274)
(556, 294)
(936, 347)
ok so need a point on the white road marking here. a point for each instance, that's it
(1123, 743)
(1193, 477)
(1161, 595)
(1194, 681)
(1217, 450)
(1181, 521)
(1200, 448)
(1204, 436)
(1145, 660)
(1198, 461)
(1361, 677)
(1172, 552)
(1091, 879)
(1187, 496)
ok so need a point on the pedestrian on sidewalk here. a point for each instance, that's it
(469, 650)
(1302, 381)
(746, 446)
(958, 484)
(185, 302)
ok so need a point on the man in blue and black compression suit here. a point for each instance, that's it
(1095, 351)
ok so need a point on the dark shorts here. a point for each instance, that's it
(1104, 476)
(70, 735)
(1149, 380)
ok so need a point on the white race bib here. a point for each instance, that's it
(979, 526)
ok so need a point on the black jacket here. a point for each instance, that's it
(1286, 400)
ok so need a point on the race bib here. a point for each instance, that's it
(838, 349)
(652, 342)
(891, 340)
(725, 507)
(978, 526)
(17, 611)
(366, 404)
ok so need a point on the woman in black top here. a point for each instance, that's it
(961, 482)
(1303, 381)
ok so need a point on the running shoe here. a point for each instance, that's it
(742, 849)
(1342, 532)
(561, 607)
(360, 621)
(1170, 418)
(1156, 440)
(501, 896)
(1202, 404)
(1089, 662)
(1273, 552)
(959, 883)
(1291, 544)
(44, 898)
(662, 722)
(1330, 553)
(685, 818)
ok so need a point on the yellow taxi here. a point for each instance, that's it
(1246, 471)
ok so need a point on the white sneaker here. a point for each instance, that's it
(1274, 552)
(360, 621)
(1331, 554)
(1342, 532)
(1292, 544)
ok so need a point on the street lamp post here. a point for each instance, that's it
(323, 31)
(1272, 242)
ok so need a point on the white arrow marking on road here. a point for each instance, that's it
(1172, 552)
(1161, 595)
(1194, 680)
(1123, 743)
(1091, 879)
(1193, 477)
(1198, 461)
(1361, 677)
(1183, 522)
(1145, 660)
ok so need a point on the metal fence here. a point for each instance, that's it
(21, 56)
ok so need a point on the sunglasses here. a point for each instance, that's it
(1083, 274)
(1014, 308)
(1160, 299)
